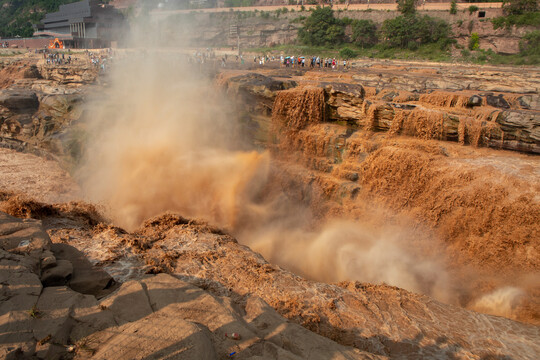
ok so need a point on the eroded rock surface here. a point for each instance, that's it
(157, 316)
(379, 321)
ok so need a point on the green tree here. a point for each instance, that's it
(453, 7)
(407, 7)
(321, 28)
(402, 31)
(347, 53)
(17, 16)
(519, 7)
(364, 33)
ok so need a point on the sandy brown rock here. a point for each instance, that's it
(83, 73)
(185, 320)
(380, 320)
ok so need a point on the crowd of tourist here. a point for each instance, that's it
(100, 60)
(290, 61)
(56, 58)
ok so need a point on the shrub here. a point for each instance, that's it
(530, 43)
(347, 53)
(453, 7)
(347, 21)
(474, 41)
(412, 46)
(472, 9)
(526, 19)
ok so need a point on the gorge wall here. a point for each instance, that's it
(390, 159)
(211, 29)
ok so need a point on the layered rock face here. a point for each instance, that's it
(39, 102)
(417, 105)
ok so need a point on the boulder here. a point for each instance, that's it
(57, 275)
(85, 278)
(497, 101)
(19, 100)
(474, 100)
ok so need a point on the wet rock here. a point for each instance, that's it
(474, 100)
(19, 100)
(497, 101)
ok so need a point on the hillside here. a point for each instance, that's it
(17, 16)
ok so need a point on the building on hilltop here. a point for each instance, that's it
(83, 24)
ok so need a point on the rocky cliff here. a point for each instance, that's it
(252, 29)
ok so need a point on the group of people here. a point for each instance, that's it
(313, 62)
(56, 58)
(5, 44)
(100, 60)
(208, 57)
